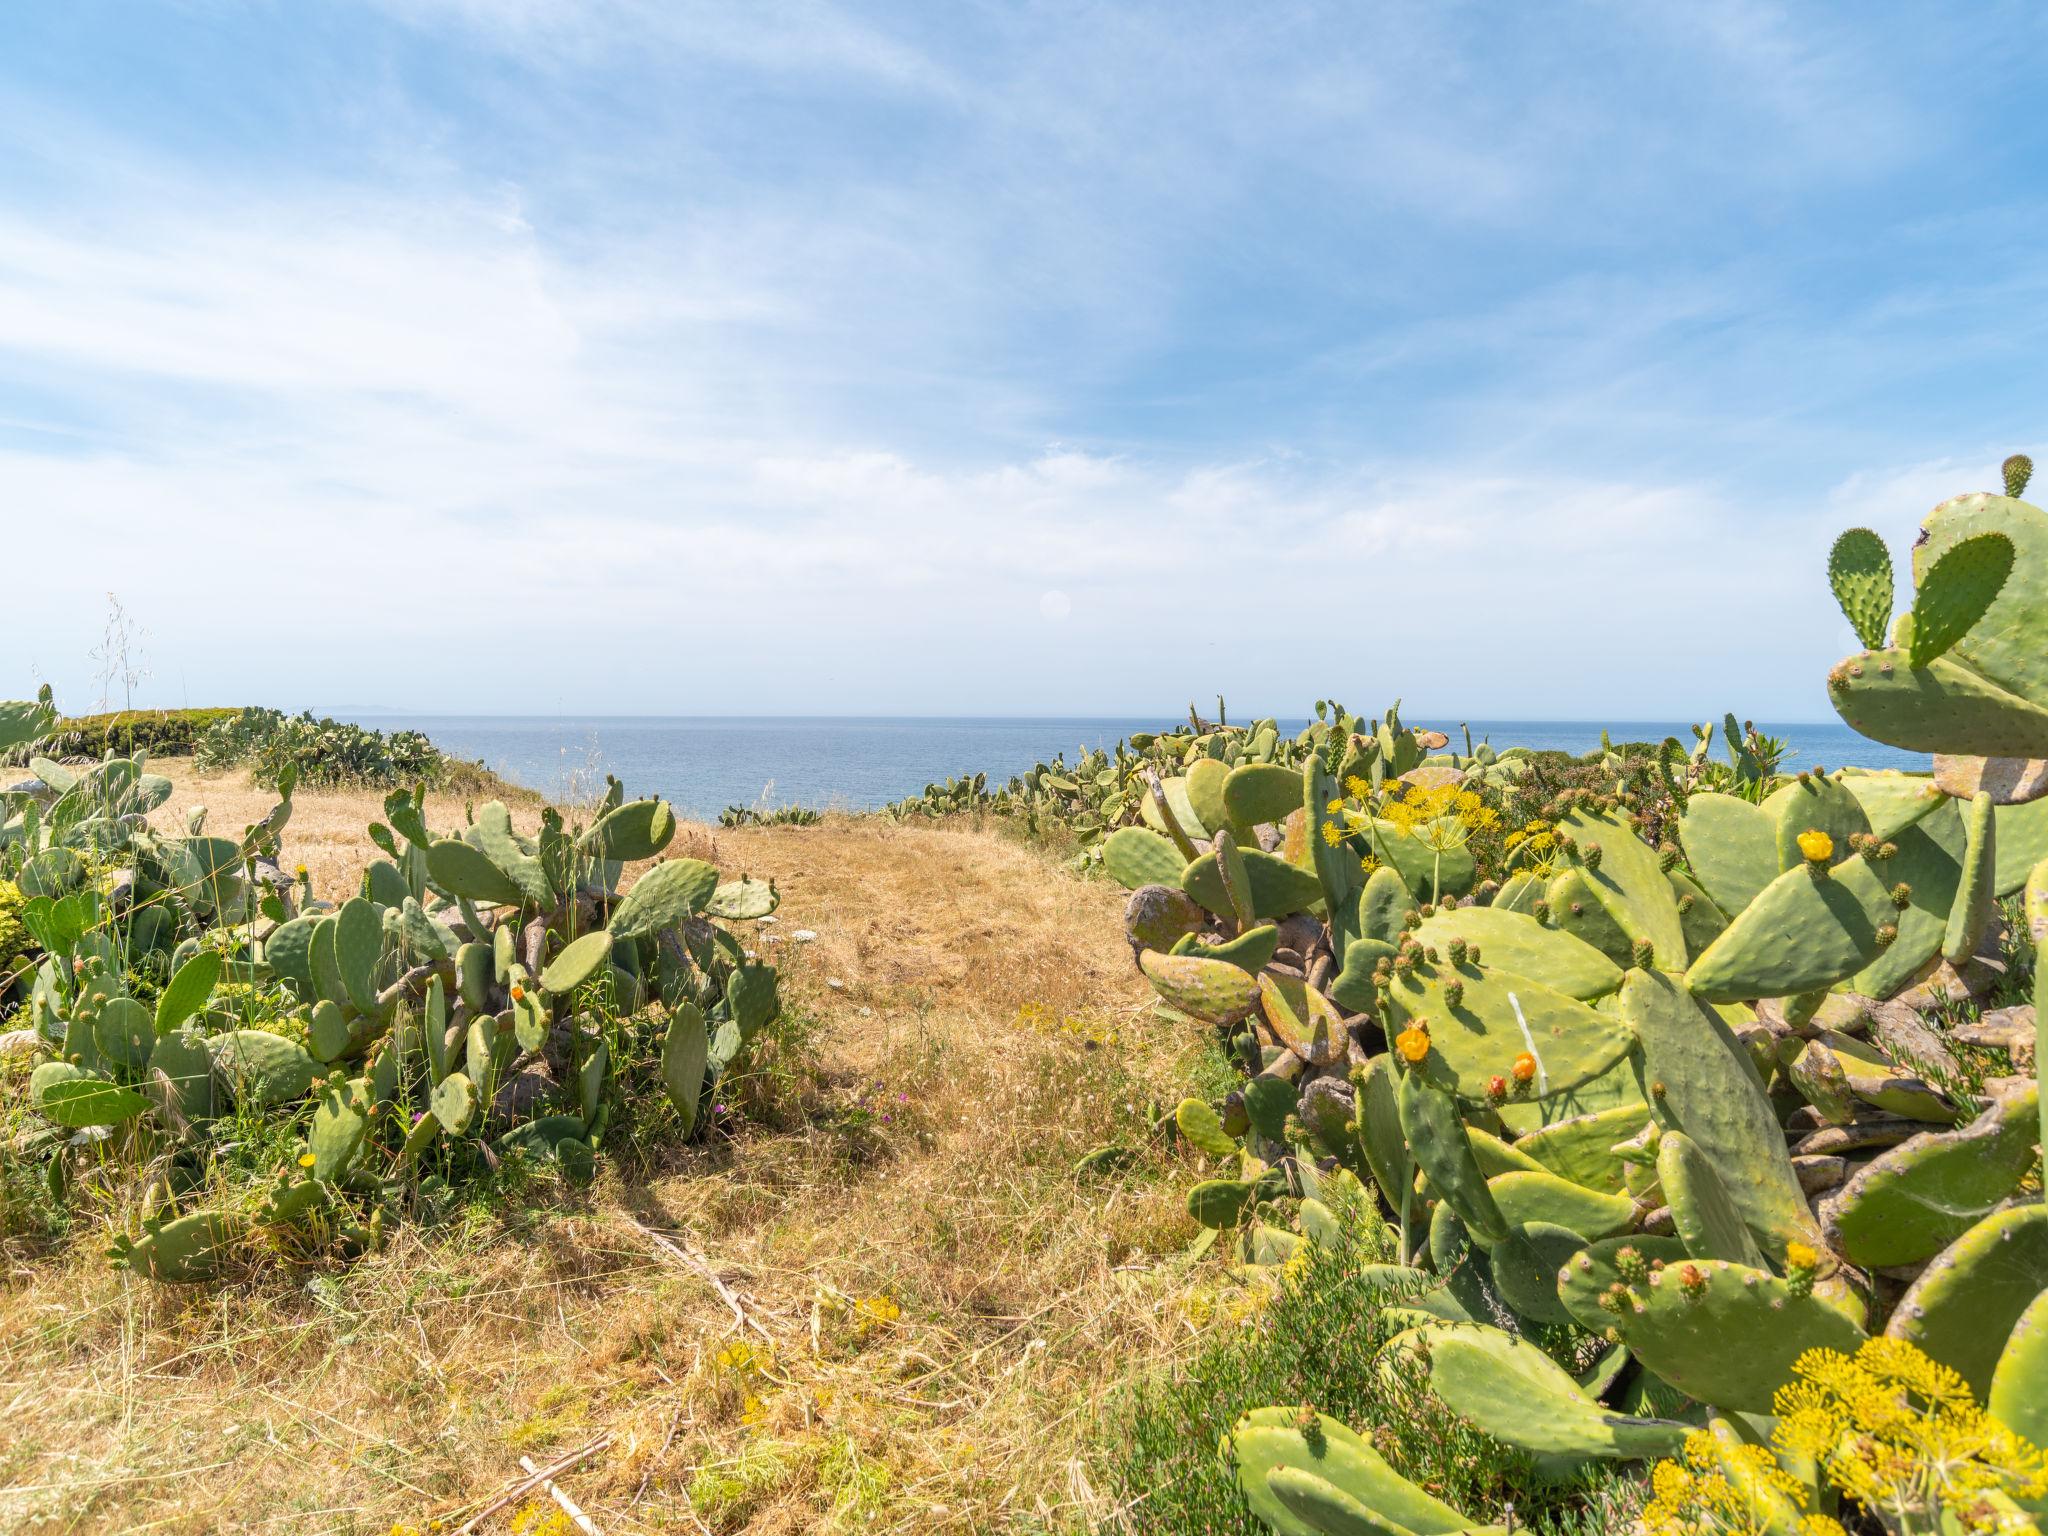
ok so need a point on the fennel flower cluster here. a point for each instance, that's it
(1896, 1432)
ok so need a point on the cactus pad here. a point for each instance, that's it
(1269, 1440)
(1860, 571)
(1498, 1017)
(1214, 991)
(1956, 590)
(1138, 856)
(185, 1251)
(1276, 888)
(1707, 1221)
(1515, 1392)
(2019, 1383)
(1942, 707)
(663, 897)
(1519, 943)
(1681, 1320)
(1912, 1201)
(1698, 1079)
(1541, 1196)
(1966, 1302)
(260, 1069)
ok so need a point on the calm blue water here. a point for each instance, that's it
(705, 763)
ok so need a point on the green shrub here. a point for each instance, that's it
(159, 732)
(1319, 1342)
(324, 752)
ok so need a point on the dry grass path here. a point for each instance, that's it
(956, 1002)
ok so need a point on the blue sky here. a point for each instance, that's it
(642, 356)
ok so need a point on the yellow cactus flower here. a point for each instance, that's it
(1412, 1043)
(306, 1160)
(1817, 846)
(1524, 1067)
(1800, 1256)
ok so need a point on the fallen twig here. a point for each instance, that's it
(532, 1480)
(698, 1266)
(582, 1521)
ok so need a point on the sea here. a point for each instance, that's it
(703, 764)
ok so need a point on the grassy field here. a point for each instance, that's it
(887, 1304)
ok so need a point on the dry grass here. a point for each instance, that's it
(955, 1077)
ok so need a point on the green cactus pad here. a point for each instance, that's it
(1520, 944)
(453, 1103)
(1203, 1128)
(335, 1137)
(260, 1069)
(1250, 951)
(684, 1054)
(2021, 843)
(1581, 1148)
(186, 1251)
(1860, 571)
(1525, 1265)
(1354, 988)
(1698, 1079)
(1301, 1018)
(1815, 803)
(180, 1077)
(1255, 794)
(124, 1032)
(663, 897)
(187, 991)
(1976, 899)
(71, 1098)
(1337, 865)
(1929, 863)
(1518, 893)
(1178, 806)
(1683, 1332)
(1269, 1440)
(1276, 887)
(1707, 1221)
(1376, 1094)
(1594, 1270)
(577, 962)
(2019, 1383)
(358, 943)
(1516, 1393)
(1381, 909)
(1917, 1198)
(1498, 1017)
(1630, 883)
(1497, 1157)
(1214, 991)
(1525, 1198)
(1575, 909)
(1138, 856)
(639, 829)
(743, 900)
(1698, 916)
(1943, 707)
(1966, 1302)
(2005, 644)
(289, 951)
(1221, 1203)
(1955, 591)
(465, 872)
(1805, 932)
(1437, 1141)
(1205, 791)
(1892, 800)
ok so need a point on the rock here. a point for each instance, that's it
(1905, 1037)
(2008, 780)
(1858, 1135)
(1820, 1173)
(522, 1092)
(2004, 1029)
(17, 1042)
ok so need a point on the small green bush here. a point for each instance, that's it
(324, 752)
(159, 732)
(1319, 1342)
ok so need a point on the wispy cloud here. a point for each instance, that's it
(796, 353)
